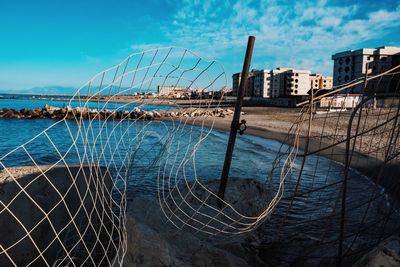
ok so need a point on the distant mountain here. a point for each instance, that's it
(63, 90)
(43, 90)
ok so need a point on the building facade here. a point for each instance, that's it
(281, 82)
(166, 90)
(297, 82)
(262, 81)
(319, 81)
(354, 64)
(237, 77)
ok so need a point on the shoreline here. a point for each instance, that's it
(271, 123)
(364, 164)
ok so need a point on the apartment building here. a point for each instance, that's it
(352, 64)
(236, 78)
(296, 82)
(319, 81)
(262, 81)
(281, 82)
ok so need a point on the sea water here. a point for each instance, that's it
(197, 152)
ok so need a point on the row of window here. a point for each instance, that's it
(347, 60)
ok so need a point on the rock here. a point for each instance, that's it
(7, 113)
(36, 113)
(149, 115)
(152, 241)
(86, 113)
(137, 110)
(386, 254)
(125, 114)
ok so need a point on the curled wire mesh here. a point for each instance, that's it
(340, 201)
(67, 204)
(69, 208)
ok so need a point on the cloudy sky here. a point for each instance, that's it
(66, 42)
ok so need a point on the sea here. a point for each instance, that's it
(158, 143)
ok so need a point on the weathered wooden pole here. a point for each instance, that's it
(235, 121)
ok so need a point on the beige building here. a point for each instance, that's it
(321, 82)
(350, 65)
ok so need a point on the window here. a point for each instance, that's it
(295, 91)
(348, 60)
(296, 86)
(296, 81)
(340, 69)
(296, 74)
(346, 78)
(340, 61)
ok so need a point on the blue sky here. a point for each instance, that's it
(59, 42)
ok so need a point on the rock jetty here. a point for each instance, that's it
(87, 113)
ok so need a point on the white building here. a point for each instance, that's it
(297, 82)
(341, 101)
(262, 80)
(270, 83)
(166, 90)
(281, 82)
(350, 65)
(278, 82)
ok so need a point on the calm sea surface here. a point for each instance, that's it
(157, 143)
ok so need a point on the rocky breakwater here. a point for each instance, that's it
(200, 112)
(87, 113)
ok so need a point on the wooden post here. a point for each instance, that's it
(235, 120)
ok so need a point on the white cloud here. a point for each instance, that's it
(305, 33)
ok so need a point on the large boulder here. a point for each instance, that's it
(386, 254)
(154, 241)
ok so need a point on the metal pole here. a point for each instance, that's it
(348, 157)
(235, 120)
